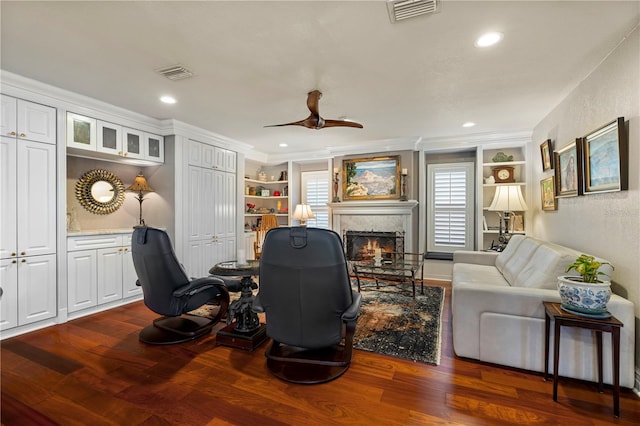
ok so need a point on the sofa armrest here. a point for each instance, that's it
(476, 257)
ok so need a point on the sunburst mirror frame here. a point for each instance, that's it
(89, 202)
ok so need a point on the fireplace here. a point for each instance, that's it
(363, 245)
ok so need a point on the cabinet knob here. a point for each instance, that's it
(126, 249)
(22, 135)
(22, 253)
(14, 261)
(24, 261)
(13, 254)
(12, 133)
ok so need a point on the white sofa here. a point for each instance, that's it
(498, 316)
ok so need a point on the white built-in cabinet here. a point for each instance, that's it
(27, 212)
(110, 140)
(210, 192)
(100, 270)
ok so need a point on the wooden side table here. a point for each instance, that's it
(562, 318)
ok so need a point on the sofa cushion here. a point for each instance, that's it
(523, 254)
(466, 273)
(542, 270)
(509, 250)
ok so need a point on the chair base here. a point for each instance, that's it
(306, 366)
(171, 330)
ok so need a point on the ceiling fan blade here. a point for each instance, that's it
(310, 122)
(342, 123)
(312, 102)
(295, 123)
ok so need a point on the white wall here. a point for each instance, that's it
(607, 224)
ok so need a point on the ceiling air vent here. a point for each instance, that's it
(405, 9)
(175, 72)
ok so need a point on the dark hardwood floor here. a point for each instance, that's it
(95, 371)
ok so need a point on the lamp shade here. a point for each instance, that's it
(140, 184)
(303, 212)
(508, 198)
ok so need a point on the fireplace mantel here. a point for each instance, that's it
(378, 215)
(374, 207)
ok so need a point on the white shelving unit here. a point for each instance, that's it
(267, 204)
(491, 219)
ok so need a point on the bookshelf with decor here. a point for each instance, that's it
(502, 166)
(266, 191)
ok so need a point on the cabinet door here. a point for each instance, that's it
(194, 155)
(154, 146)
(219, 158)
(36, 187)
(230, 161)
(208, 203)
(82, 279)
(9, 295)
(109, 138)
(129, 276)
(37, 289)
(81, 132)
(133, 143)
(192, 208)
(193, 258)
(8, 116)
(8, 198)
(36, 122)
(229, 197)
(110, 274)
(208, 156)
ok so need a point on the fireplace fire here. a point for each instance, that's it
(364, 245)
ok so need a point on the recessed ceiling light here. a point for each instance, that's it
(283, 145)
(469, 124)
(168, 99)
(488, 39)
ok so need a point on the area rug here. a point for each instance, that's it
(392, 323)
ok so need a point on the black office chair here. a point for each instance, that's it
(168, 291)
(311, 311)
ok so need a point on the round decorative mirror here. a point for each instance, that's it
(100, 191)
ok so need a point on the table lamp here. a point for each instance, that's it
(140, 186)
(507, 199)
(302, 213)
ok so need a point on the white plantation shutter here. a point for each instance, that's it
(315, 192)
(450, 214)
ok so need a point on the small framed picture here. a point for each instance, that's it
(606, 159)
(546, 152)
(568, 170)
(548, 194)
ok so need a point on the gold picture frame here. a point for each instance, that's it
(548, 194)
(371, 178)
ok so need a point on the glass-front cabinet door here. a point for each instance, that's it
(134, 146)
(155, 147)
(109, 138)
(81, 131)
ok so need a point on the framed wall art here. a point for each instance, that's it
(548, 194)
(546, 152)
(568, 170)
(606, 158)
(371, 178)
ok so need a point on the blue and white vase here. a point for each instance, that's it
(580, 297)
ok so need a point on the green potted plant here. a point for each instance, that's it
(588, 292)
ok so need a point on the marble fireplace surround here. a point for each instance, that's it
(383, 215)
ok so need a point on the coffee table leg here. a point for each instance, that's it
(599, 354)
(556, 358)
(547, 326)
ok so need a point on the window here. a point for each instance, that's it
(450, 224)
(315, 192)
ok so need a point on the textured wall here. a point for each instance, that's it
(608, 224)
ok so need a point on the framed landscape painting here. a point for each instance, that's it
(371, 178)
(568, 171)
(606, 161)
(546, 152)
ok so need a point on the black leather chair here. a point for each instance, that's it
(168, 291)
(311, 311)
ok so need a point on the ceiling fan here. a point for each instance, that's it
(314, 121)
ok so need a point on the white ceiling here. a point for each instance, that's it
(254, 63)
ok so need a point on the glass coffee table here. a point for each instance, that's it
(392, 265)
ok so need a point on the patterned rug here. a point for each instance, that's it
(393, 323)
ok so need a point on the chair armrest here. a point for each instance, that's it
(198, 285)
(476, 257)
(352, 312)
(257, 305)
